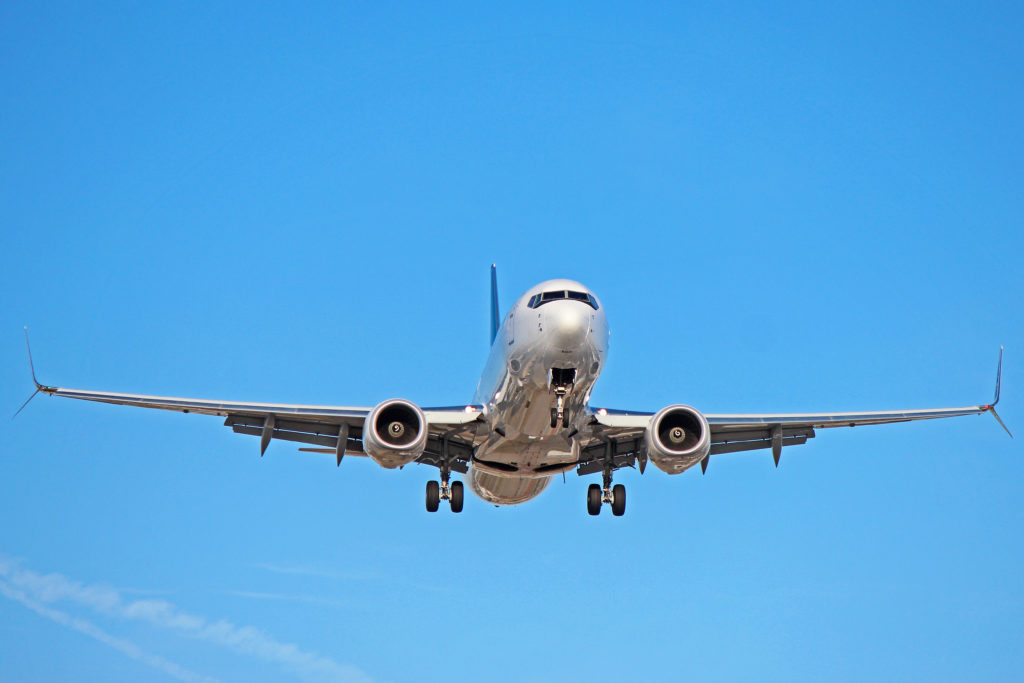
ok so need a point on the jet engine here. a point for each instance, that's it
(395, 433)
(677, 438)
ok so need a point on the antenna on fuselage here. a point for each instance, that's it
(494, 302)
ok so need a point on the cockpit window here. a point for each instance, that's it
(546, 297)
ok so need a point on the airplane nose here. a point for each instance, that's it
(569, 324)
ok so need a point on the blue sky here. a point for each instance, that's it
(794, 208)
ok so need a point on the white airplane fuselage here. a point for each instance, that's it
(543, 364)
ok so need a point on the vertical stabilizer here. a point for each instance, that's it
(494, 302)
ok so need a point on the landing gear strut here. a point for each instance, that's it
(454, 492)
(561, 382)
(613, 495)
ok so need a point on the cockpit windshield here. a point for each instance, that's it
(546, 297)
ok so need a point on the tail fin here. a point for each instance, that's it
(494, 302)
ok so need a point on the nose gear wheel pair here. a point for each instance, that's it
(558, 415)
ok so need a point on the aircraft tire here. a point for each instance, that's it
(433, 496)
(458, 496)
(618, 500)
(594, 500)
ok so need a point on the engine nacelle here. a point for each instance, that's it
(395, 433)
(677, 438)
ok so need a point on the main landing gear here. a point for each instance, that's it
(454, 493)
(613, 495)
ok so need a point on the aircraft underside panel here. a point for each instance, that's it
(505, 490)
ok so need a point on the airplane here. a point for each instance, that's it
(531, 417)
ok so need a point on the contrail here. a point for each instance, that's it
(50, 588)
(123, 646)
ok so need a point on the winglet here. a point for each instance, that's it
(494, 301)
(31, 365)
(32, 369)
(991, 408)
(999, 376)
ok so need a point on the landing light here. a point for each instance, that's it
(602, 412)
(469, 409)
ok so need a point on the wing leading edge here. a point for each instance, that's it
(337, 429)
(618, 434)
(731, 433)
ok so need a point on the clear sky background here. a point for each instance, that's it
(808, 208)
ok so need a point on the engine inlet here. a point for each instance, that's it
(398, 425)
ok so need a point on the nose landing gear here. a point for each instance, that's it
(561, 383)
(613, 495)
(558, 412)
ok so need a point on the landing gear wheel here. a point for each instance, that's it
(594, 499)
(458, 496)
(618, 500)
(554, 418)
(433, 496)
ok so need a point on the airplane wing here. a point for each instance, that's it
(619, 434)
(337, 428)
